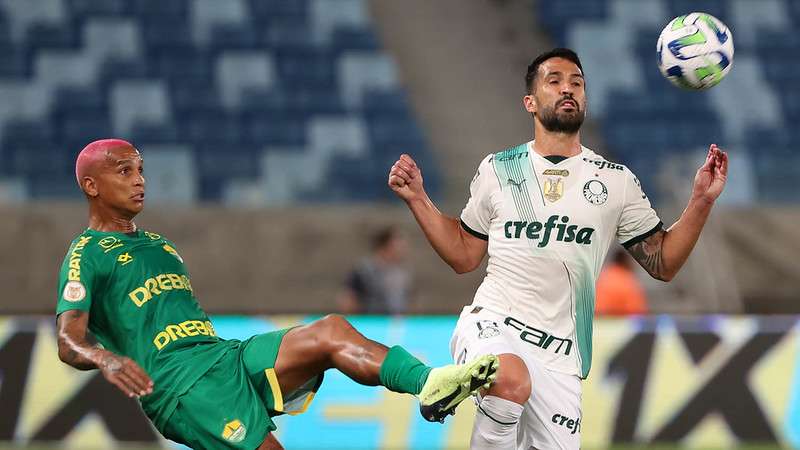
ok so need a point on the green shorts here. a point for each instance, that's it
(232, 404)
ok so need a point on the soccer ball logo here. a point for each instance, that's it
(695, 51)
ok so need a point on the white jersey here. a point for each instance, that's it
(549, 227)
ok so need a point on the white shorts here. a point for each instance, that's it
(551, 419)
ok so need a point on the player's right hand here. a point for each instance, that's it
(405, 179)
(125, 374)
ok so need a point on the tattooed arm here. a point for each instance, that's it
(78, 348)
(663, 253)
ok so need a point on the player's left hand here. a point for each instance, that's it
(711, 176)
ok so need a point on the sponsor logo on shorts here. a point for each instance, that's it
(487, 329)
(74, 291)
(234, 431)
(574, 425)
(540, 338)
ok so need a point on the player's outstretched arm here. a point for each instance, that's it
(459, 249)
(78, 348)
(663, 254)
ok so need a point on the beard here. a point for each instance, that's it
(556, 121)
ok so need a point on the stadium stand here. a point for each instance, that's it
(266, 98)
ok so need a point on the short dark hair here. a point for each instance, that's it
(533, 68)
(383, 236)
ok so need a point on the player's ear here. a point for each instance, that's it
(89, 186)
(529, 101)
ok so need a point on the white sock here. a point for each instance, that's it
(495, 424)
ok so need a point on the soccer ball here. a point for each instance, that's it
(695, 51)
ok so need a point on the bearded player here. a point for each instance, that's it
(127, 307)
(547, 211)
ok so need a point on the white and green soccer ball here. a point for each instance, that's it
(695, 51)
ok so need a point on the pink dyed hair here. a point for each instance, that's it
(94, 152)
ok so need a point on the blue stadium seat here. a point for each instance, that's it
(218, 164)
(286, 33)
(166, 32)
(82, 9)
(19, 134)
(383, 101)
(78, 130)
(210, 127)
(14, 62)
(51, 36)
(182, 64)
(170, 172)
(176, 62)
(717, 8)
(194, 96)
(555, 15)
(53, 186)
(226, 37)
(150, 8)
(120, 69)
(5, 30)
(296, 100)
(154, 133)
(352, 38)
(306, 67)
(80, 100)
(394, 129)
(269, 9)
(275, 129)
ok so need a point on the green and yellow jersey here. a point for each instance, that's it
(141, 304)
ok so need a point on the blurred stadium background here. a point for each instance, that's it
(268, 128)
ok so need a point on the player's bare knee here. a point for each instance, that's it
(513, 381)
(334, 323)
(329, 330)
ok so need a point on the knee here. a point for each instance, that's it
(327, 329)
(513, 380)
(332, 323)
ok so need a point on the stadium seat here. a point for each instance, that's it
(362, 71)
(171, 174)
(238, 71)
(262, 80)
(82, 9)
(138, 101)
(286, 33)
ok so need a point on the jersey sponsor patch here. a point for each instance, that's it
(595, 192)
(234, 431)
(74, 291)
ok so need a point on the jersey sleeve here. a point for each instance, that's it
(638, 220)
(477, 213)
(77, 280)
